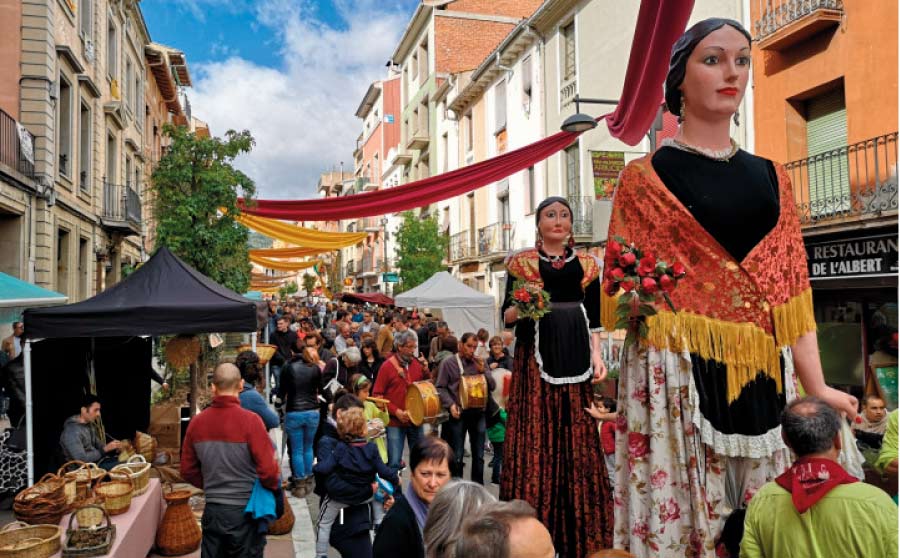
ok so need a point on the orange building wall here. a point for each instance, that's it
(862, 52)
(511, 8)
(390, 95)
(10, 49)
(463, 44)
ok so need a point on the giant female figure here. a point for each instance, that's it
(552, 457)
(699, 401)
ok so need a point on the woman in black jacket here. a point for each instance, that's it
(498, 358)
(371, 360)
(300, 388)
(400, 534)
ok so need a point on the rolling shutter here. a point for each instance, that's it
(826, 140)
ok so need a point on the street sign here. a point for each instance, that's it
(390, 277)
(389, 118)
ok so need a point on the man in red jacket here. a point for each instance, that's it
(226, 449)
(394, 376)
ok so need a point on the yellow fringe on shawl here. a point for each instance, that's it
(794, 318)
(608, 311)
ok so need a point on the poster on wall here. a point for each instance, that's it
(606, 166)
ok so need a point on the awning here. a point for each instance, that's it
(17, 295)
(371, 298)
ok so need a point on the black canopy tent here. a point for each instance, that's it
(108, 334)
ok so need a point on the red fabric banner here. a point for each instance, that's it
(660, 23)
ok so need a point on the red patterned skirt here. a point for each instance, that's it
(552, 459)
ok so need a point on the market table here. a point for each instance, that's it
(136, 528)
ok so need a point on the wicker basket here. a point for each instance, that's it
(84, 476)
(145, 445)
(90, 513)
(264, 351)
(178, 532)
(103, 538)
(137, 470)
(182, 350)
(43, 503)
(116, 494)
(20, 540)
(284, 524)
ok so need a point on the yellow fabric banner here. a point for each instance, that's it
(280, 265)
(287, 252)
(300, 236)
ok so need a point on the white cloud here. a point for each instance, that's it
(302, 112)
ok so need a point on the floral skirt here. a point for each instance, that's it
(552, 459)
(673, 492)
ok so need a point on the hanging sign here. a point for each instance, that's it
(870, 256)
(606, 165)
(390, 277)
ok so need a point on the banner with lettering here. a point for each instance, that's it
(606, 165)
(869, 256)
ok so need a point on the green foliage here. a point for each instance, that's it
(288, 289)
(194, 179)
(309, 283)
(420, 250)
(257, 241)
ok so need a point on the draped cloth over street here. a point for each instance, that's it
(659, 24)
(300, 236)
(552, 456)
(697, 431)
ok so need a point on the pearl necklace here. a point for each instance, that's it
(723, 155)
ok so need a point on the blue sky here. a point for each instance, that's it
(290, 71)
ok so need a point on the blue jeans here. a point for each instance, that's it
(301, 429)
(275, 370)
(396, 435)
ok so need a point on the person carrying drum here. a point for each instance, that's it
(463, 388)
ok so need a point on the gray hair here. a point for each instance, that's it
(351, 356)
(486, 535)
(404, 337)
(809, 426)
(456, 501)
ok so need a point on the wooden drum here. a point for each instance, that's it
(473, 392)
(422, 403)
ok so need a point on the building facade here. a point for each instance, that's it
(825, 85)
(76, 142)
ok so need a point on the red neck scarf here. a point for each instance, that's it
(810, 478)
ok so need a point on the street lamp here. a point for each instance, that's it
(580, 122)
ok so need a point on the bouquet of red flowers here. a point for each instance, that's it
(531, 301)
(644, 279)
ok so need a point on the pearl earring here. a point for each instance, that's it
(681, 111)
(737, 118)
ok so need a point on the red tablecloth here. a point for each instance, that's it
(136, 528)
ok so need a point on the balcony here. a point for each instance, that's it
(418, 139)
(494, 239)
(462, 247)
(121, 209)
(582, 216)
(567, 91)
(350, 269)
(784, 23)
(16, 146)
(382, 264)
(849, 184)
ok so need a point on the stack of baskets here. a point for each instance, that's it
(116, 494)
(43, 503)
(137, 470)
(20, 540)
(145, 445)
(79, 482)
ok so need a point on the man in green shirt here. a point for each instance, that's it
(887, 457)
(816, 509)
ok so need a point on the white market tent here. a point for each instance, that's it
(463, 308)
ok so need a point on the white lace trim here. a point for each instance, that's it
(742, 445)
(540, 362)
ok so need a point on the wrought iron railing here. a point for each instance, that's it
(16, 145)
(461, 246)
(495, 238)
(121, 203)
(582, 214)
(776, 14)
(857, 180)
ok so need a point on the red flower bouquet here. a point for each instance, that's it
(645, 280)
(531, 301)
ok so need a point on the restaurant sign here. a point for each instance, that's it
(870, 256)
